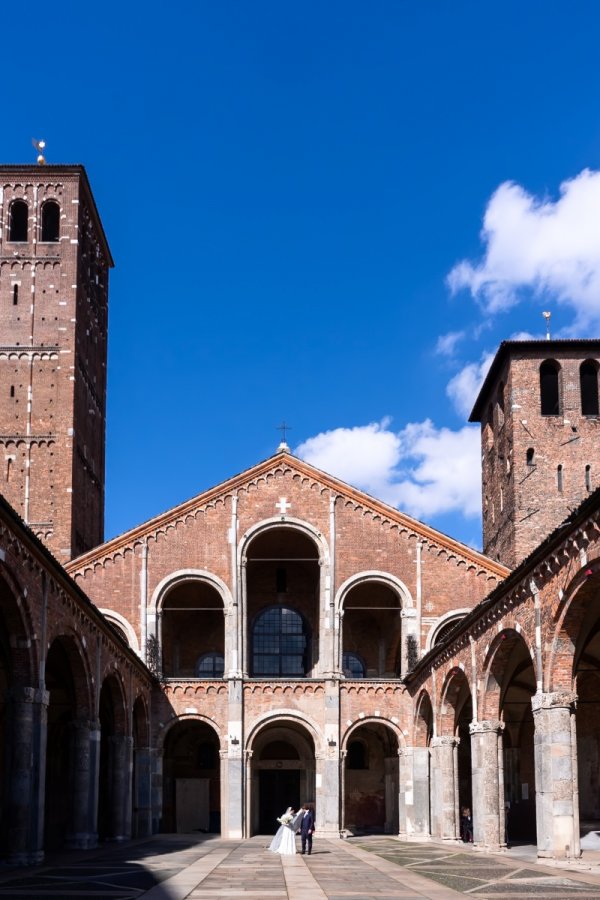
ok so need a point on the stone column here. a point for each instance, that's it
(556, 788)
(232, 766)
(444, 819)
(120, 815)
(488, 784)
(82, 834)
(328, 813)
(26, 790)
(156, 788)
(414, 792)
(142, 792)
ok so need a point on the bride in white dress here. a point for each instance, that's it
(284, 841)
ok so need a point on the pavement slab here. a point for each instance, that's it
(200, 867)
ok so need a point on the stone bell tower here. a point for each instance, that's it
(54, 264)
(540, 441)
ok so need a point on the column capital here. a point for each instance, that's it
(30, 695)
(446, 740)
(486, 726)
(554, 700)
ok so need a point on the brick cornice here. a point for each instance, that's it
(281, 462)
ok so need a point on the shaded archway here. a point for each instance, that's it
(193, 631)
(114, 801)
(282, 773)
(371, 780)
(141, 799)
(282, 589)
(371, 629)
(510, 686)
(191, 778)
(455, 718)
(576, 667)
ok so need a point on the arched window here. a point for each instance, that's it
(280, 643)
(15, 294)
(357, 756)
(588, 383)
(559, 478)
(210, 665)
(17, 221)
(549, 388)
(353, 665)
(588, 478)
(50, 222)
(530, 456)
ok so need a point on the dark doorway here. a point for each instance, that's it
(279, 788)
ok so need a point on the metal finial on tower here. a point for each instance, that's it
(39, 146)
(283, 446)
(547, 316)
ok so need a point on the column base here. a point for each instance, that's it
(17, 860)
(81, 841)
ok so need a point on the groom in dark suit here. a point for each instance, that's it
(307, 827)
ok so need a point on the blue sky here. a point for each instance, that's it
(294, 196)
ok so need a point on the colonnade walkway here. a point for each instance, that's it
(174, 867)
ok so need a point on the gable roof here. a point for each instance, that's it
(286, 459)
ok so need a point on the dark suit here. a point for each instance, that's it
(307, 826)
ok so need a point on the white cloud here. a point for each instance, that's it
(423, 470)
(551, 248)
(446, 343)
(463, 388)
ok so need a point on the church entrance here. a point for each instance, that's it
(282, 774)
(278, 789)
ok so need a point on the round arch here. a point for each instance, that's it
(378, 577)
(496, 670)
(393, 726)
(182, 576)
(123, 625)
(291, 523)
(186, 717)
(454, 616)
(280, 716)
(370, 774)
(191, 749)
(16, 613)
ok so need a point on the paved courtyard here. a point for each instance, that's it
(174, 867)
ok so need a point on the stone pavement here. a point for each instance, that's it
(195, 867)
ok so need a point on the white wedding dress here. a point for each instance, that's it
(284, 841)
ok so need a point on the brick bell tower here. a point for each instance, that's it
(54, 263)
(540, 441)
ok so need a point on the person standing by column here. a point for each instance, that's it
(307, 827)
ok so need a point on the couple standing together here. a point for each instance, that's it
(303, 821)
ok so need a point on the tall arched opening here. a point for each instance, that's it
(371, 631)
(371, 780)
(141, 800)
(191, 778)
(282, 595)
(193, 631)
(62, 714)
(456, 717)
(282, 773)
(114, 799)
(512, 684)
(577, 667)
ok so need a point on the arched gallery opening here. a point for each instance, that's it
(512, 670)
(282, 774)
(371, 780)
(191, 779)
(582, 632)
(62, 711)
(114, 785)
(283, 579)
(457, 715)
(371, 631)
(193, 631)
(141, 800)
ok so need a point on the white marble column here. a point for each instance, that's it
(444, 814)
(488, 784)
(556, 786)
(415, 792)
